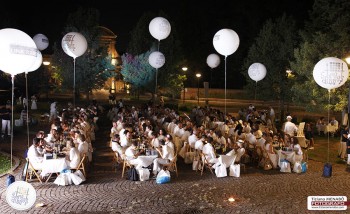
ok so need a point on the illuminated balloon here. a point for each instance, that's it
(213, 60)
(156, 59)
(330, 73)
(74, 44)
(41, 41)
(37, 63)
(257, 71)
(159, 28)
(18, 51)
(226, 42)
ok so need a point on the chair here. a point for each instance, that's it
(240, 153)
(126, 164)
(172, 166)
(305, 147)
(81, 165)
(301, 129)
(117, 159)
(205, 163)
(29, 172)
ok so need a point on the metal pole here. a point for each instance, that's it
(198, 91)
(74, 85)
(26, 73)
(183, 99)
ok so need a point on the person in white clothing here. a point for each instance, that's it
(74, 156)
(33, 155)
(131, 153)
(289, 127)
(208, 151)
(53, 111)
(125, 139)
(116, 147)
(166, 155)
(83, 146)
(192, 139)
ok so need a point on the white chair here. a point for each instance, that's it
(300, 132)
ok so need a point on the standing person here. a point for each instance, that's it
(272, 115)
(343, 144)
(34, 105)
(53, 111)
(309, 135)
(348, 149)
(290, 127)
(25, 103)
(5, 112)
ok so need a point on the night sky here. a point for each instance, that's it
(245, 17)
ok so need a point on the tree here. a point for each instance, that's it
(274, 48)
(137, 71)
(325, 35)
(169, 80)
(94, 66)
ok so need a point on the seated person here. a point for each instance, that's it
(200, 142)
(74, 156)
(166, 155)
(116, 145)
(131, 153)
(297, 149)
(208, 151)
(33, 155)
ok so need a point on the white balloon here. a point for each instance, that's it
(156, 59)
(18, 51)
(257, 71)
(213, 60)
(331, 73)
(41, 41)
(159, 28)
(226, 41)
(74, 44)
(37, 63)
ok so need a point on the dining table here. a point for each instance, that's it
(51, 166)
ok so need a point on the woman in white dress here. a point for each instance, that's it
(74, 156)
(34, 105)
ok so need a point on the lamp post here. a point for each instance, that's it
(183, 99)
(198, 75)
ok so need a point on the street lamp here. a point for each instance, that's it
(288, 75)
(184, 69)
(198, 75)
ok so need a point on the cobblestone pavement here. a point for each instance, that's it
(256, 191)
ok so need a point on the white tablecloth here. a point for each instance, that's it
(289, 156)
(330, 128)
(53, 166)
(144, 161)
(227, 159)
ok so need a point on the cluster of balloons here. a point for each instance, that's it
(74, 44)
(19, 52)
(159, 28)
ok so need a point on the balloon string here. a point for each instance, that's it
(329, 98)
(26, 75)
(74, 84)
(155, 90)
(158, 44)
(13, 89)
(256, 85)
(225, 85)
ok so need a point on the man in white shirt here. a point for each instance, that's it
(33, 155)
(125, 139)
(289, 127)
(192, 139)
(166, 155)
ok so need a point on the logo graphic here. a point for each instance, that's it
(327, 203)
(20, 195)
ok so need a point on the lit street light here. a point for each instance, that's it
(198, 75)
(184, 69)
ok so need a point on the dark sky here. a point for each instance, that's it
(245, 17)
(48, 17)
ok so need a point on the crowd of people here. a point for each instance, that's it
(252, 136)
